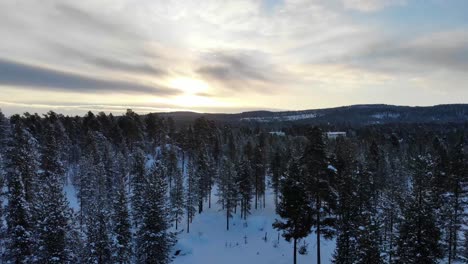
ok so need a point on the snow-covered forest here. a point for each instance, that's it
(148, 189)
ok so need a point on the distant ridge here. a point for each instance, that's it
(363, 114)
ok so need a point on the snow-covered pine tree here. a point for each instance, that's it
(52, 213)
(457, 187)
(98, 244)
(22, 156)
(276, 172)
(293, 207)
(95, 209)
(227, 189)
(4, 137)
(259, 174)
(464, 256)
(153, 239)
(419, 237)
(348, 208)
(19, 236)
(368, 235)
(177, 196)
(171, 164)
(392, 196)
(2, 199)
(191, 193)
(138, 181)
(122, 226)
(245, 183)
(202, 174)
(21, 164)
(322, 194)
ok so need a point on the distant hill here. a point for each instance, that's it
(352, 115)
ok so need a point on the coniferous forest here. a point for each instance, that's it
(121, 189)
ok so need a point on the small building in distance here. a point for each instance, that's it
(277, 133)
(335, 134)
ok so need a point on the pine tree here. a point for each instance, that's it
(419, 235)
(19, 237)
(276, 172)
(348, 208)
(138, 181)
(244, 182)
(202, 175)
(177, 197)
(319, 186)
(457, 193)
(368, 222)
(227, 189)
(465, 251)
(21, 170)
(22, 158)
(154, 241)
(294, 207)
(95, 209)
(191, 194)
(98, 244)
(4, 136)
(259, 174)
(122, 226)
(51, 207)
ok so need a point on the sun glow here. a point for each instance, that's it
(195, 93)
(189, 85)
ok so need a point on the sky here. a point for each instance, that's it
(230, 56)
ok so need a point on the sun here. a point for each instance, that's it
(189, 85)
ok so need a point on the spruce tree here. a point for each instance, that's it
(419, 240)
(245, 183)
(177, 197)
(227, 189)
(154, 241)
(191, 193)
(348, 208)
(457, 186)
(276, 173)
(138, 181)
(19, 237)
(51, 207)
(320, 189)
(294, 207)
(122, 226)
(21, 164)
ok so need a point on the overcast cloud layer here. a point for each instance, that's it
(230, 56)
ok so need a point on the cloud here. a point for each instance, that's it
(286, 53)
(239, 70)
(447, 51)
(79, 17)
(108, 62)
(371, 5)
(229, 67)
(36, 77)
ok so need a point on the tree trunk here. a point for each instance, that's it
(200, 205)
(318, 231)
(295, 251)
(256, 191)
(188, 221)
(227, 218)
(209, 196)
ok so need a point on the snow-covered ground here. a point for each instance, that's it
(209, 243)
